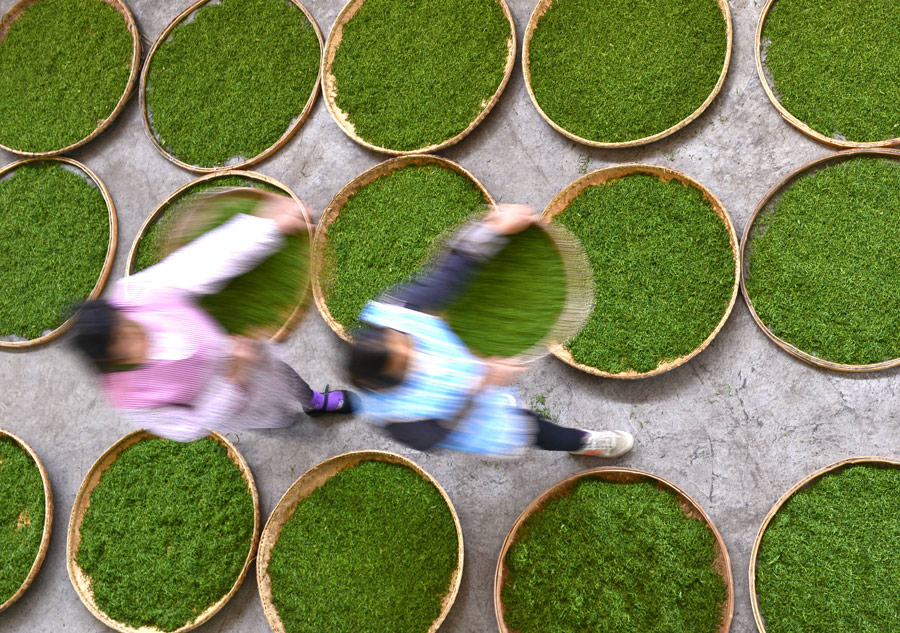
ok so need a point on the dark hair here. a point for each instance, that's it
(92, 331)
(369, 356)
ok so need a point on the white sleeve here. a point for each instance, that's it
(205, 265)
(216, 410)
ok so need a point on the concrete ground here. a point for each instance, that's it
(735, 427)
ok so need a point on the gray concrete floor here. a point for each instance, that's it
(735, 427)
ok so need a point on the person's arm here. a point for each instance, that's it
(216, 410)
(206, 264)
(471, 247)
(436, 289)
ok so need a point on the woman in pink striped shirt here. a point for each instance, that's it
(166, 365)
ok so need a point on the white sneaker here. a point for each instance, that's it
(606, 443)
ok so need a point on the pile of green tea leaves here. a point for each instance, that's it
(22, 505)
(414, 74)
(834, 65)
(54, 231)
(830, 558)
(515, 299)
(619, 70)
(64, 65)
(228, 84)
(373, 549)
(259, 300)
(167, 532)
(387, 229)
(823, 270)
(663, 267)
(617, 558)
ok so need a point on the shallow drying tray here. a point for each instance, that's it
(790, 118)
(536, 15)
(624, 476)
(288, 133)
(119, 5)
(608, 174)
(48, 521)
(764, 204)
(329, 84)
(305, 485)
(110, 248)
(801, 485)
(82, 582)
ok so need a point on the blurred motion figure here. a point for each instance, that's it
(422, 384)
(170, 368)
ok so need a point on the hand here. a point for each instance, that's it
(501, 372)
(245, 357)
(509, 219)
(286, 213)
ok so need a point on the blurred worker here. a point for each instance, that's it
(423, 385)
(167, 366)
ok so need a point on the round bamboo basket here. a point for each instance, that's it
(329, 84)
(305, 485)
(579, 300)
(110, 248)
(805, 483)
(293, 319)
(334, 208)
(790, 118)
(536, 15)
(623, 476)
(48, 521)
(82, 582)
(609, 174)
(281, 142)
(119, 5)
(761, 208)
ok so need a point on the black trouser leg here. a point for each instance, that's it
(553, 437)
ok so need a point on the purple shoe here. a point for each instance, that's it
(339, 401)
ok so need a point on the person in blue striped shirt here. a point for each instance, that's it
(421, 383)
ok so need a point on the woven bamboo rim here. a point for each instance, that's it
(334, 208)
(294, 318)
(609, 174)
(281, 142)
(305, 485)
(110, 248)
(804, 483)
(623, 476)
(329, 84)
(790, 118)
(82, 582)
(796, 352)
(536, 15)
(48, 521)
(119, 5)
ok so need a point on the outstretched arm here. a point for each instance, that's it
(471, 247)
(205, 265)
